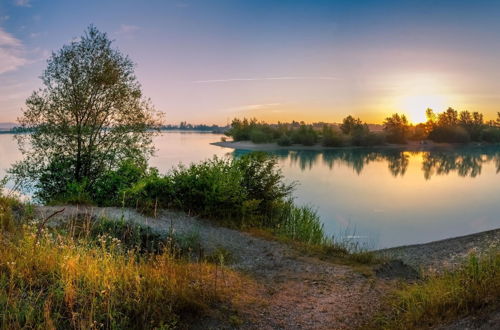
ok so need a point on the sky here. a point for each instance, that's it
(208, 61)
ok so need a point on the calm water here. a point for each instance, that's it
(383, 198)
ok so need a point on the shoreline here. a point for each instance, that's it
(445, 253)
(436, 255)
(411, 146)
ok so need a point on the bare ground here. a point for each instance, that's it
(298, 292)
(295, 292)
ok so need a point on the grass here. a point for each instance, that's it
(52, 279)
(472, 288)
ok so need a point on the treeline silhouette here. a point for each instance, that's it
(185, 126)
(466, 162)
(449, 126)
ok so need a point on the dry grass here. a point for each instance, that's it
(469, 290)
(50, 280)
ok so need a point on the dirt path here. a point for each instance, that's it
(297, 292)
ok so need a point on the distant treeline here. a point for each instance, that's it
(16, 130)
(185, 126)
(449, 126)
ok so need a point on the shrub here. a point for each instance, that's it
(258, 136)
(331, 138)
(305, 135)
(284, 141)
(451, 134)
(107, 189)
(236, 191)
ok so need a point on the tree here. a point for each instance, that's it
(472, 123)
(449, 118)
(397, 128)
(351, 125)
(89, 117)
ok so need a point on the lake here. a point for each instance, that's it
(382, 198)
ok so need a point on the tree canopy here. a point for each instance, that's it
(88, 118)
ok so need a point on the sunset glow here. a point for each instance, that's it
(304, 60)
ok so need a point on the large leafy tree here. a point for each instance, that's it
(89, 117)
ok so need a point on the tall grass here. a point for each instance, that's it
(301, 224)
(50, 280)
(441, 298)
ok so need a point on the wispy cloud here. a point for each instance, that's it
(22, 3)
(127, 29)
(263, 79)
(11, 52)
(254, 107)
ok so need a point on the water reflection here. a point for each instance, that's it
(465, 162)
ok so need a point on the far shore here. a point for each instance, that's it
(410, 146)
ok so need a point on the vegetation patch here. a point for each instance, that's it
(470, 289)
(51, 279)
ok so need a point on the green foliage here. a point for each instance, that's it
(397, 128)
(367, 139)
(442, 298)
(89, 117)
(300, 224)
(258, 136)
(54, 280)
(350, 125)
(107, 188)
(238, 191)
(284, 141)
(131, 236)
(331, 138)
(304, 135)
(452, 134)
(7, 207)
(458, 127)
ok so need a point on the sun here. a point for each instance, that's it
(418, 92)
(414, 106)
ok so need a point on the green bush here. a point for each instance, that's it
(284, 141)
(258, 136)
(332, 138)
(229, 190)
(108, 187)
(450, 134)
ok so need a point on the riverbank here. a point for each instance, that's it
(444, 254)
(410, 146)
(295, 291)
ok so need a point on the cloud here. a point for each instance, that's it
(22, 3)
(254, 107)
(262, 79)
(11, 52)
(128, 29)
